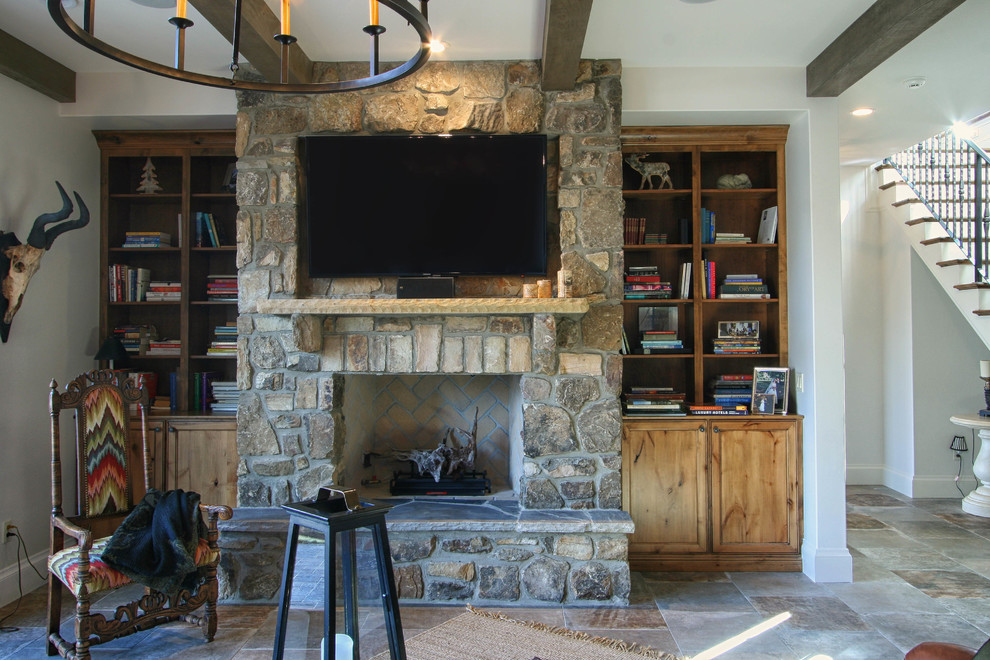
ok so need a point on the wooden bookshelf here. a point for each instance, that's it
(698, 156)
(191, 167)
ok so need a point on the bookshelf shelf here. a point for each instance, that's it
(191, 167)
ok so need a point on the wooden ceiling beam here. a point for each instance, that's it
(258, 27)
(882, 30)
(36, 70)
(564, 30)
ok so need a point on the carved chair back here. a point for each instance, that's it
(104, 403)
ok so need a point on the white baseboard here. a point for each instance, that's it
(864, 475)
(941, 486)
(29, 580)
(899, 481)
(826, 564)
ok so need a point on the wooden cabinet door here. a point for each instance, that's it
(666, 485)
(202, 457)
(756, 486)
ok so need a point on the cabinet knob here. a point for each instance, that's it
(714, 429)
(701, 429)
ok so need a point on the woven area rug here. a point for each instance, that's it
(477, 635)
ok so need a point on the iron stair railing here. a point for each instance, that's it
(949, 175)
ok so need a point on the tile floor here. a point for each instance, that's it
(921, 572)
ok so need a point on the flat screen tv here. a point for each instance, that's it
(425, 205)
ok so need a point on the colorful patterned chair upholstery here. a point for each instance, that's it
(104, 407)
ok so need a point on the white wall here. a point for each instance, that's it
(946, 382)
(862, 309)
(900, 392)
(54, 333)
(762, 96)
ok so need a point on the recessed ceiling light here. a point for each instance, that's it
(862, 112)
(915, 83)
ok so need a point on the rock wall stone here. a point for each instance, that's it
(290, 370)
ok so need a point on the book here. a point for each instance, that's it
(768, 226)
(685, 290)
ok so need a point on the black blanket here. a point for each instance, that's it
(156, 544)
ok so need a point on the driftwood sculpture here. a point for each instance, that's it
(454, 455)
(650, 170)
(19, 263)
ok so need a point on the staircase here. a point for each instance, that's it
(939, 190)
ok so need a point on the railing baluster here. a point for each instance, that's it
(950, 175)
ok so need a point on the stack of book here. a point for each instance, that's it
(733, 390)
(135, 338)
(653, 402)
(715, 409)
(147, 239)
(660, 341)
(221, 288)
(225, 340)
(164, 291)
(209, 232)
(128, 284)
(634, 231)
(731, 237)
(164, 347)
(224, 397)
(643, 282)
(161, 403)
(707, 225)
(736, 346)
(743, 286)
(654, 238)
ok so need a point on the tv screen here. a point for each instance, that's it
(425, 205)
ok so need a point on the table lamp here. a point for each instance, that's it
(985, 375)
(113, 350)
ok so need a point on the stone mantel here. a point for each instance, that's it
(422, 306)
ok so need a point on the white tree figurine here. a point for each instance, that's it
(149, 181)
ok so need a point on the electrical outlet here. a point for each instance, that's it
(7, 527)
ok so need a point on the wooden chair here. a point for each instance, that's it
(103, 409)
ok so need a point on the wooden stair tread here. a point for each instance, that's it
(954, 262)
(933, 241)
(971, 286)
(918, 221)
(982, 312)
(905, 202)
(883, 166)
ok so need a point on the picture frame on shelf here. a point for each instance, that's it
(772, 381)
(230, 179)
(660, 317)
(738, 330)
(763, 404)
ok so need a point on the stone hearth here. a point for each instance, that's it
(293, 368)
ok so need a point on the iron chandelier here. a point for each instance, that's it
(416, 18)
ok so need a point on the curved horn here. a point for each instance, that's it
(37, 238)
(83, 220)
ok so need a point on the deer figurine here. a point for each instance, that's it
(19, 263)
(650, 170)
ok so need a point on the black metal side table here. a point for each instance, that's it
(326, 516)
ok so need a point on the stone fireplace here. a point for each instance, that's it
(321, 387)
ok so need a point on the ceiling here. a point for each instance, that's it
(642, 33)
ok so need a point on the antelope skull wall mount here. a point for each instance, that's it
(19, 263)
